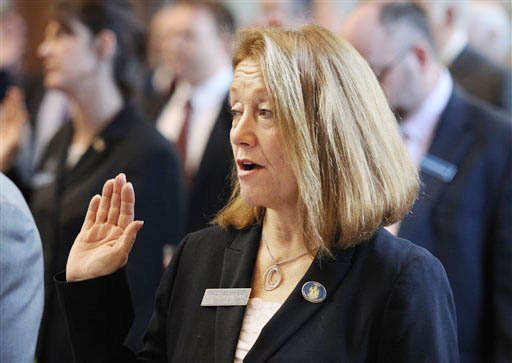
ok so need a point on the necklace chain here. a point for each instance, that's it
(271, 282)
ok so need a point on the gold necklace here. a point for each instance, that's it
(273, 275)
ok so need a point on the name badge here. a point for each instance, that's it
(226, 297)
(438, 168)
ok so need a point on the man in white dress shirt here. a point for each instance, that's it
(195, 116)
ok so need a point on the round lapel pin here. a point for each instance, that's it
(99, 145)
(314, 292)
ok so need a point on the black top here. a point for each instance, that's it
(131, 145)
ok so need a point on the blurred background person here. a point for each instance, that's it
(21, 277)
(489, 30)
(24, 138)
(331, 14)
(160, 59)
(477, 74)
(88, 54)
(464, 152)
(277, 13)
(13, 39)
(195, 114)
(15, 132)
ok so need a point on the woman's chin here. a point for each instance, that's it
(252, 199)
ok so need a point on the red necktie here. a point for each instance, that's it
(181, 143)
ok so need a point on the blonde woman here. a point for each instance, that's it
(319, 169)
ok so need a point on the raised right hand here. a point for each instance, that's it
(107, 235)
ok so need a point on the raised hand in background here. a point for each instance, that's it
(13, 116)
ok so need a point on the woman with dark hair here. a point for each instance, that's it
(88, 53)
(298, 267)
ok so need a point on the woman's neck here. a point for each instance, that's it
(283, 233)
(93, 108)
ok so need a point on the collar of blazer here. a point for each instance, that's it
(114, 132)
(239, 260)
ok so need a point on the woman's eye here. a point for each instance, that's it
(265, 113)
(235, 113)
(235, 116)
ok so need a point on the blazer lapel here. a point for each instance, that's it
(237, 270)
(103, 144)
(296, 310)
(450, 144)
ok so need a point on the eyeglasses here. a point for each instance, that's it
(392, 64)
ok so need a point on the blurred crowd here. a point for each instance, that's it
(142, 88)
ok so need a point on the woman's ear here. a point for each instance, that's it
(106, 44)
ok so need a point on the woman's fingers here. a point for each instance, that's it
(115, 202)
(90, 217)
(126, 215)
(108, 188)
(126, 241)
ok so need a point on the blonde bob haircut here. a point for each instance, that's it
(338, 133)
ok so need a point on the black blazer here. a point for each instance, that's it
(387, 301)
(211, 186)
(466, 222)
(131, 145)
(483, 78)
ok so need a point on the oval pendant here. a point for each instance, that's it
(272, 278)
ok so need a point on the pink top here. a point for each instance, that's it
(257, 315)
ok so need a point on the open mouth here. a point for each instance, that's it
(248, 165)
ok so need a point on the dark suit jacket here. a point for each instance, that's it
(387, 301)
(483, 78)
(467, 224)
(130, 145)
(211, 185)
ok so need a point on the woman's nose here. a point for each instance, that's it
(242, 132)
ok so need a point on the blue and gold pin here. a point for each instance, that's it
(314, 292)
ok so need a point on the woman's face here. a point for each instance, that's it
(68, 56)
(265, 177)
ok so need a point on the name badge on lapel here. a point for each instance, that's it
(438, 168)
(226, 297)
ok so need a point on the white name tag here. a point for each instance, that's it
(438, 168)
(226, 297)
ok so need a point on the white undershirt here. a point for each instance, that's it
(257, 315)
(206, 100)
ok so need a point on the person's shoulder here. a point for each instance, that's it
(140, 127)
(213, 237)
(11, 195)
(486, 120)
(146, 139)
(395, 254)
(16, 221)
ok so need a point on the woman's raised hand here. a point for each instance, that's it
(108, 233)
